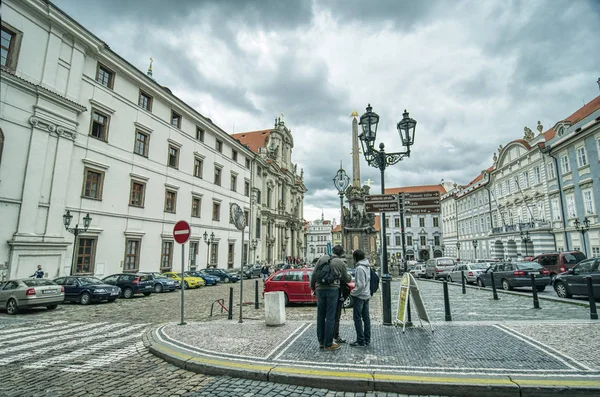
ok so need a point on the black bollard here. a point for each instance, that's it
(256, 294)
(536, 301)
(462, 277)
(494, 292)
(447, 302)
(590, 288)
(409, 322)
(230, 314)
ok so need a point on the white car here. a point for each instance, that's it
(418, 271)
(471, 271)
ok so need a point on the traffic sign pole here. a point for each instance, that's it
(181, 234)
(182, 283)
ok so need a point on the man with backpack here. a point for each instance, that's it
(361, 294)
(325, 280)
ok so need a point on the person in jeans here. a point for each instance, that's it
(328, 296)
(264, 272)
(361, 294)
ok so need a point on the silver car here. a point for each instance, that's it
(472, 270)
(30, 292)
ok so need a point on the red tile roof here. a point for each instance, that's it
(253, 139)
(479, 177)
(579, 115)
(336, 229)
(416, 189)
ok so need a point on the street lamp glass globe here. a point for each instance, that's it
(67, 217)
(87, 220)
(341, 180)
(205, 235)
(406, 129)
(369, 122)
(212, 236)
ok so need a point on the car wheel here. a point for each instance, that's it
(561, 290)
(449, 279)
(480, 282)
(505, 285)
(540, 288)
(186, 285)
(147, 293)
(287, 300)
(347, 303)
(85, 299)
(226, 280)
(12, 307)
(158, 288)
(51, 307)
(127, 293)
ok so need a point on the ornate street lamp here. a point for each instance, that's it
(208, 242)
(458, 250)
(380, 159)
(341, 181)
(76, 231)
(525, 240)
(474, 242)
(583, 228)
(253, 245)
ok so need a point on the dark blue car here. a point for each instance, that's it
(223, 275)
(162, 283)
(208, 279)
(86, 290)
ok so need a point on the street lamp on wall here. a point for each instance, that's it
(525, 240)
(208, 242)
(583, 228)
(76, 231)
(341, 181)
(381, 160)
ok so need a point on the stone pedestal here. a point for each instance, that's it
(274, 308)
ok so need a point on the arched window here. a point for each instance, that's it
(1, 144)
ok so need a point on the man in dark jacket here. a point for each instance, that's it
(328, 297)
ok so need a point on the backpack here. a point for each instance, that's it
(374, 282)
(325, 274)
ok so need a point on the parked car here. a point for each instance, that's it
(559, 262)
(189, 281)
(85, 290)
(509, 275)
(30, 292)
(225, 277)
(251, 271)
(471, 270)
(419, 271)
(162, 283)
(131, 283)
(295, 283)
(351, 272)
(574, 281)
(433, 267)
(208, 279)
(443, 275)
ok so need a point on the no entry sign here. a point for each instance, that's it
(181, 232)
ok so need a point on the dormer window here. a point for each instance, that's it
(561, 130)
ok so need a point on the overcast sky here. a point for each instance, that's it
(472, 73)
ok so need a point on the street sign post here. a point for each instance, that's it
(181, 234)
(381, 203)
(421, 203)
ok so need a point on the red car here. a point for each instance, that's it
(295, 283)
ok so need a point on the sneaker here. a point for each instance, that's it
(357, 344)
(334, 346)
(321, 346)
(339, 340)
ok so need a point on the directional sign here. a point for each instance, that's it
(381, 198)
(420, 210)
(181, 232)
(421, 202)
(422, 195)
(391, 206)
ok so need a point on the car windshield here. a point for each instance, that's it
(159, 275)
(36, 282)
(574, 258)
(528, 265)
(90, 281)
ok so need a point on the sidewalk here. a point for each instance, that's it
(464, 358)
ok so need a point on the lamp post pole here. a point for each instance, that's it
(458, 250)
(525, 240)
(341, 181)
(208, 242)
(76, 231)
(583, 228)
(253, 245)
(381, 160)
(475, 248)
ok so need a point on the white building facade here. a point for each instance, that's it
(86, 132)
(318, 236)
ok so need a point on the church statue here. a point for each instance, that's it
(540, 127)
(528, 134)
(495, 158)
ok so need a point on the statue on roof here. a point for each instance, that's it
(528, 133)
(495, 158)
(540, 127)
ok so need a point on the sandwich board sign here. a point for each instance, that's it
(408, 287)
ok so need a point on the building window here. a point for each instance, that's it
(247, 188)
(387, 240)
(218, 173)
(105, 76)
(86, 253)
(233, 182)
(571, 209)
(581, 157)
(259, 171)
(398, 239)
(175, 119)
(132, 255)
(166, 257)
(170, 201)
(588, 202)
(540, 211)
(258, 227)
(193, 255)
(199, 134)
(408, 222)
(246, 217)
(564, 164)
(99, 128)
(214, 254)
(436, 222)
(507, 183)
(230, 255)
(421, 222)
(9, 47)
(551, 171)
(173, 160)
(216, 213)
(145, 101)
(423, 240)
(537, 177)
(436, 240)
(93, 182)
(196, 201)
(198, 167)
(397, 222)
(234, 155)
(219, 146)
(248, 163)
(596, 252)
(409, 240)
(387, 222)
(138, 190)
(526, 179)
(269, 197)
(142, 142)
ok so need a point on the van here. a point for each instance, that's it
(559, 262)
(433, 267)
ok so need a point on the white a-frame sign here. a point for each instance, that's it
(408, 287)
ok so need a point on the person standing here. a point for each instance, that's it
(361, 294)
(264, 272)
(39, 273)
(328, 296)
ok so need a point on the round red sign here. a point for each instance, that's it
(181, 232)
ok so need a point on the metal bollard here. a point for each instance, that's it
(590, 288)
(462, 277)
(409, 322)
(536, 301)
(447, 302)
(230, 314)
(256, 294)
(494, 292)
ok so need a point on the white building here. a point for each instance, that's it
(318, 235)
(82, 130)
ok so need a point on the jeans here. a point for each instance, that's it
(338, 315)
(361, 315)
(327, 299)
